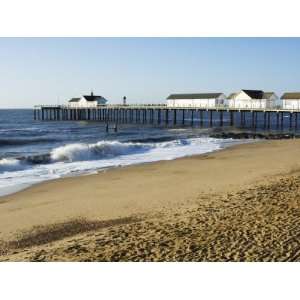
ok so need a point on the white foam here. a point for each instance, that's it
(102, 149)
(11, 164)
(77, 159)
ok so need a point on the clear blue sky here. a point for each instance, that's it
(48, 70)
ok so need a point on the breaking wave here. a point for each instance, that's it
(83, 158)
(86, 152)
(11, 164)
(102, 149)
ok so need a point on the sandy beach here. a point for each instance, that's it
(237, 204)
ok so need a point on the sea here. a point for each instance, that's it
(34, 151)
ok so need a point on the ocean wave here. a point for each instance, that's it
(102, 149)
(86, 152)
(81, 158)
(106, 150)
(11, 164)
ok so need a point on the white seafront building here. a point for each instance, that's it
(87, 101)
(291, 100)
(209, 100)
(253, 99)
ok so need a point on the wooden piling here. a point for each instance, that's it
(167, 116)
(159, 116)
(221, 118)
(201, 118)
(231, 118)
(174, 116)
(192, 118)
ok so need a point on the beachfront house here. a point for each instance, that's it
(291, 100)
(87, 101)
(252, 99)
(209, 100)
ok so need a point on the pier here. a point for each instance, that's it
(173, 116)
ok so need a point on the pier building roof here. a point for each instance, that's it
(292, 96)
(195, 96)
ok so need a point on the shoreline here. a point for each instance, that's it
(105, 169)
(238, 136)
(24, 186)
(157, 194)
(112, 182)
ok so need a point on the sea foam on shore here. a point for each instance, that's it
(83, 158)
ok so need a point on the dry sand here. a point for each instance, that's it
(238, 204)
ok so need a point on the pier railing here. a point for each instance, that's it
(164, 106)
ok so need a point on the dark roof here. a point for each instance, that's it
(74, 100)
(194, 96)
(92, 97)
(290, 96)
(254, 94)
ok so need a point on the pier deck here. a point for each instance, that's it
(161, 114)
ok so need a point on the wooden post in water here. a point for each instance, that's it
(192, 118)
(269, 117)
(174, 116)
(210, 118)
(221, 118)
(296, 120)
(183, 112)
(265, 120)
(282, 120)
(159, 116)
(231, 113)
(201, 118)
(167, 116)
(253, 118)
(291, 120)
(256, 113)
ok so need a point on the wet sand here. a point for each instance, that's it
(238, 204)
